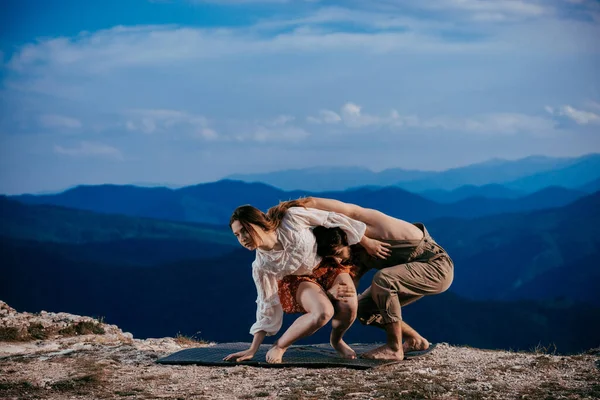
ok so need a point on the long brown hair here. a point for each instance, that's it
(270, 221)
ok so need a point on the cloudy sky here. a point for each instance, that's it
(189, 91)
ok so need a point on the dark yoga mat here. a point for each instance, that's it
(308, 356)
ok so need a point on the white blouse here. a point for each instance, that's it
(298, 257)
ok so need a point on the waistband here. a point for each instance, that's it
(427, 248)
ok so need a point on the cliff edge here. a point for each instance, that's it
(64, 356)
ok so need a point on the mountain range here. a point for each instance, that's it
(533, 270)
(214, 299)
(528, 175)
(524, 236)
(213, 203)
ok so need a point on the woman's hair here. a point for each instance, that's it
(329, 240)
(270, 221)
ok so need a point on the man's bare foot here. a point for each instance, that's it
(275, 354)
(415, 344)
(343, 349)
(384, 353)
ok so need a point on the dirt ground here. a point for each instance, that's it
(113, 365)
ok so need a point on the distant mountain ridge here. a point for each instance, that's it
(213, 203)
(495, 255)
(129, 269)
(492, 191)
(498, 256)
(58, 224)
(497, 171)
(86, 236)
(191, 296)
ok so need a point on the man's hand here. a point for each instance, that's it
(341, 292)
(240, 356)
(375, 248)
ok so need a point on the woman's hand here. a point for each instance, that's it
(375, 248)
(241, 356)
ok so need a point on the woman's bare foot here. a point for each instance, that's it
(275, 354)
(415, 344)
(343, 349)
(384, 353)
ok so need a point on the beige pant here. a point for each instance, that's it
(430, 272)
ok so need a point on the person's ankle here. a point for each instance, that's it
(395, 346)
(277, 345)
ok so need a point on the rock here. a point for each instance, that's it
(113, 364)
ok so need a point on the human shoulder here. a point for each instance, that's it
(295, 211)
(259, 261)
(299, 212)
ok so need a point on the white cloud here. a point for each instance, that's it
(158, 46)
(174, 122)
(236, 2)
(169, 121)
(281, 120)
(59, 121)
(493, 123)
(504, 7)
(273, 130)
(350, 115)
(206, 133)
(325, 117)
(353, 117)
(90, 149)
(285, 134)
(580, 117)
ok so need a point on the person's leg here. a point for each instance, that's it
(345, 314)
(413, 341)
(391, 288)
(392, 350)
(319, 311)
(368, 314)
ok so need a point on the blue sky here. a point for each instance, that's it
(183, 92)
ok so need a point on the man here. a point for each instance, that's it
(411, 265)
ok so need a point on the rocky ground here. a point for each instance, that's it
(63, 356)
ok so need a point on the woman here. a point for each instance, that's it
(285, 246)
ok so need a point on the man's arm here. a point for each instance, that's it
(376, 221)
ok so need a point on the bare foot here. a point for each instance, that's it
(384, 353)
(344, 350)
(415, 344)
(275, 354)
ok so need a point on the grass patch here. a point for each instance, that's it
(130, 392)
(16, 385)
(83, 328)
(20, 389)
(189, 341)
(82, 382)
(37, 331)
(10, 334)
(550, 349)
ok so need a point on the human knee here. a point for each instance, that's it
(347, 309)
(443, 283)
(323, 316)
(447, 281)
(381, 280)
